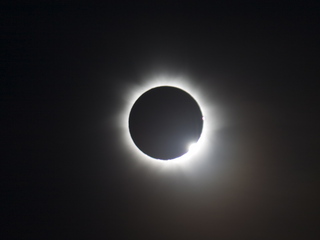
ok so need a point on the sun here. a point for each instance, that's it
(197, 150)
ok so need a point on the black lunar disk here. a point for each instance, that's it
(164, 121)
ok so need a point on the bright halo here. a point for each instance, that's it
(192, 147)
(199, 149)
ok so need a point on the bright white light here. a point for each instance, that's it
(133, 92)
(192, 146)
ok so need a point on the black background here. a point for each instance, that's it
(65, 173)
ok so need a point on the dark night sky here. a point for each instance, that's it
(65, 173)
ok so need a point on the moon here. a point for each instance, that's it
(165, 122)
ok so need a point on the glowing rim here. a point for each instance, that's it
(133, 92)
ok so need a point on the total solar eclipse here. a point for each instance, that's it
(164, 122)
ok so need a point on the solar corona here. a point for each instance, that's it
(149, 114)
